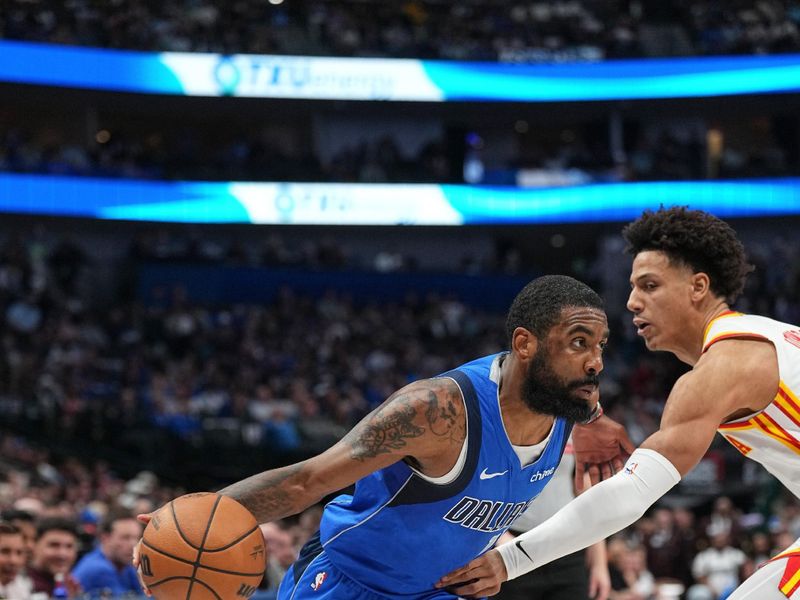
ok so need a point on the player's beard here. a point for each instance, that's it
(546, 393)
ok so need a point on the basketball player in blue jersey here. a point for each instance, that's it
(688, 267)
(446, 464)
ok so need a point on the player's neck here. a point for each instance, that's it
(691, 351)
(524, 427)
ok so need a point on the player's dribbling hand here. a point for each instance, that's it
(145, 518)
(481, 577)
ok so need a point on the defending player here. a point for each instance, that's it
(688, 267)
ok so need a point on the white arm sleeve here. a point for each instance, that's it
(594, 515)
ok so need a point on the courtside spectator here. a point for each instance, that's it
(107, 568)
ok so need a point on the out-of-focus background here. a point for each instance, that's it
(232, 229)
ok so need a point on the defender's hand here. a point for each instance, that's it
(601, 449)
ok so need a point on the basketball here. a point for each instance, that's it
(202, 547)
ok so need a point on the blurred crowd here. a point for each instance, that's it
(190, 154)
(665, 151)
(676, 552)
(512, 31)
(67, 530)
(90, 395)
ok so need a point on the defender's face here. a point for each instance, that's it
(660, 299)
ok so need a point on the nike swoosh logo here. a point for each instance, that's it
(521, 549)
(485, 475)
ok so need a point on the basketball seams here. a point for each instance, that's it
(167, 554)
(178, 526)
(165, 580)
(203, 583)
(209, 588)
(233, 543)
(186, 561)
(181, 565)
(202, 543)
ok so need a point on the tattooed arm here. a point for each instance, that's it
(424, 423)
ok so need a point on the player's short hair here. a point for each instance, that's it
(9, 529)
(539, 305)
(695, 239)
(56, 524)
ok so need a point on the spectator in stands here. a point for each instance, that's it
(108, 567)
(25, 522)
(725, 517)
(630, 578)
(717, 569)
(13, 584)
(685, 524)
(54, 553)
(280, 551)
(666, 550)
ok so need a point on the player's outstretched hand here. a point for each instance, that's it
(601, 449)
(481, 577)
(144, 518)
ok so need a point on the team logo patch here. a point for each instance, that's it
(793, 337)
(319, 580)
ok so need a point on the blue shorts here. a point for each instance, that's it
(313, 577)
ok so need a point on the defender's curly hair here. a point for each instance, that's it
(697, 240)
(538, 306)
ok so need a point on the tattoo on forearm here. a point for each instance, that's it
(266, 494)
(387, 430)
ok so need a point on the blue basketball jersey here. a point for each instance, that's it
(399, 533)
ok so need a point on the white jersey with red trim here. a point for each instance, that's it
(772, 436)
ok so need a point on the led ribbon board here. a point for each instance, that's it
(368, 79)
(382, 204)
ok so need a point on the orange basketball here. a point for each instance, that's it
(202, 547)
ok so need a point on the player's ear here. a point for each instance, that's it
(524, 344)
(701, 286)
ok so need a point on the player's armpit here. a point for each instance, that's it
(735, 377)
(424, 421)
(744, 372)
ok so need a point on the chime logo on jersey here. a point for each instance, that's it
(539, 475)
(484, 515)
(319, 580)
